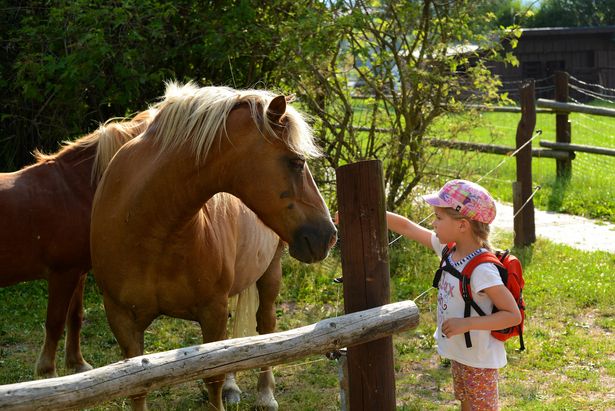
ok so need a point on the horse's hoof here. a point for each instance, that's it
(231, 393)
(269, 404)
(45, 372)
(231, 397)
(77, 368)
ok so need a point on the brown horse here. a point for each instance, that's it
(45, 218)
(157, 250)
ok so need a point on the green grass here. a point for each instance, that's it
(588, 193)
(569, 361)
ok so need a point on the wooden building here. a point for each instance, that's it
(586, 53)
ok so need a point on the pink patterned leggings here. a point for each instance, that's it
(478, 386)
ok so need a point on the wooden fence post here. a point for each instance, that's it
(523, 206)
(365, 264)
(562, 123)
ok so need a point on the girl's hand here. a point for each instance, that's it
(336, 218)
(454, 326)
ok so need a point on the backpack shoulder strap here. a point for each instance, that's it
(448, 249)
(488, 257)
(446, 252)
(482, 258)
(464, 285)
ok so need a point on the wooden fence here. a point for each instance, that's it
(149, 372)
(365, 266)
(562, 150)
(366, 329)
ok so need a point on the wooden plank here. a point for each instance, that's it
(504, 109)
(575, 108)
(150, 372)
(497, 149)
(578, 147)
(524, 225)
(365, 264)
(562, 123)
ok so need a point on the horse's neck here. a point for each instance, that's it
(178, 188)
(77, 165)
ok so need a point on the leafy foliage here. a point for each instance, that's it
(557, 13)
(411, 60)
(68, 65)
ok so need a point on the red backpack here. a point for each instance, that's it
(511, 273)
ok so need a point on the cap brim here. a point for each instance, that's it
(435, 200)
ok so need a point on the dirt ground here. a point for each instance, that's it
(578, 232)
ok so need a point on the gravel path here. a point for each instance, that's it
(578, 232)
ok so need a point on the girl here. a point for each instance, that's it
(463, 212)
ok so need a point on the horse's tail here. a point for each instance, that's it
(114, 134)
(243, 309)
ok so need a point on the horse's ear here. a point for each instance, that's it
(276, 109)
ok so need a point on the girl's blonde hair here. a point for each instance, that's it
(481, 231)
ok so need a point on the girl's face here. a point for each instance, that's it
(445, 226)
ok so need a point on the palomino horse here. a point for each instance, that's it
(156, 250)
(45, 230)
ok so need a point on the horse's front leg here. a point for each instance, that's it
(213, 319)
(268, 289)
(60, 289)
(128, 327)
(231, 393)
(73, 358)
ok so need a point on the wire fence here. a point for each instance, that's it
(585, 193)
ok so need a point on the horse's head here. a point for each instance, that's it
(253, 145)
(271, 146)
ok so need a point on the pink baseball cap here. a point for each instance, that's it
(469, 199)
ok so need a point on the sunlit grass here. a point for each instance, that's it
(569, 361)
(587, 193)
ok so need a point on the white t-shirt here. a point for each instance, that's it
(486, 351)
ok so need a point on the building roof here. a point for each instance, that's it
(566, 31)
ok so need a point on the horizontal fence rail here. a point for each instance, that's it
(139, 375)
(503, 109)
(578, 147)
(575, 108)
(495, 149)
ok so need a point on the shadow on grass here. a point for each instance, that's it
(524, 254)
(558, 193)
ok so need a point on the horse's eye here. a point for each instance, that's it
(297, 163)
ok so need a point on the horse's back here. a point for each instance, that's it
(44, 224)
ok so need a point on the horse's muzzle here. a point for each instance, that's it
(311, 243)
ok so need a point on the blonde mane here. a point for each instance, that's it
(196, 115)
(108, 138)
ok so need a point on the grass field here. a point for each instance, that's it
(569, 363)
(588, 193)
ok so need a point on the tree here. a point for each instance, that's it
(414, 60)
(573, 13)
(507, 12)
(67, 66)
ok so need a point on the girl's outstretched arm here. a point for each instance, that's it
(409, 229)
